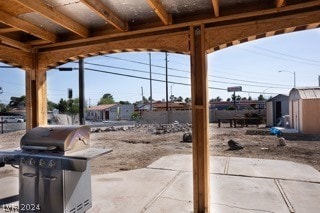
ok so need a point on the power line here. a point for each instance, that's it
(163, 81)
(214, 76)
(287, 55)
(275, 57)
(176, 76)
(135, 70)
(138, 62)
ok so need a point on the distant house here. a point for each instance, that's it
(172, 106)
(304, 110)
(277, 107)
(110, 112)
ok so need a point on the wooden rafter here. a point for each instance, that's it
(26, 27)
(8, 30)
(107, 14)
(55, 16)
(158, 8)
(279, 3)
(14, 43)
(215, 4)
(182, 25)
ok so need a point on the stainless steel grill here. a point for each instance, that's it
(54, 169)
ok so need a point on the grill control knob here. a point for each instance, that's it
(52, 164)
(32, 162)
(42, 163)
(23, 160)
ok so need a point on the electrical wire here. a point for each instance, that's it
(176, 76)
(213, 76)
(287, 55)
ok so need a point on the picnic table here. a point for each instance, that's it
(242, 121)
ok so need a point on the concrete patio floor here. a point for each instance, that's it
(238, 185)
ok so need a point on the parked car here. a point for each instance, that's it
(12, 120)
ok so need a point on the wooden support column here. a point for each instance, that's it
(200, 120)
(36, 96)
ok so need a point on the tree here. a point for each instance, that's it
(261, 98)
(180, 99)
(106, 99)
(145, 100)
(62, 106)
(3, 108)
(228, 99)
(73, 108)
(17, 102)
(187, 100)
(249, 98)
(218, 99)
(51, 105)
(124, 102)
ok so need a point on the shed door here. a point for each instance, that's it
(295, 114)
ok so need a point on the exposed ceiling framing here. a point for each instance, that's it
(157, 6)
(47, 25)
(215, 4)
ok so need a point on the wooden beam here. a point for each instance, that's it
(177, 42)
(280, 3)
(158, 8)
(8, 30)
(200, 121)
(55, 16)
(14, 43)
(216, 36)
(107, 14)
(15, 57)
(26, 27)
(216, 10)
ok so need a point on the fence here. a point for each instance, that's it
(11, 127)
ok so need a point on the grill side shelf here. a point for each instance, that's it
(89, 153)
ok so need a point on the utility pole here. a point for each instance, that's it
(167, 104)
(81, 92)
(150, 81)
(142, 94)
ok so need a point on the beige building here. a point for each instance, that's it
(304, 110)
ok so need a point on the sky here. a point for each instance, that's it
(252, 65)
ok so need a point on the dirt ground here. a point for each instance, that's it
(139, 147)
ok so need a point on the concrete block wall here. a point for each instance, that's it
(186, 116)
(164, 117)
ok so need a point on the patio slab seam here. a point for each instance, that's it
(284, 196)
(145, 208)
(241, 208)
(263, 177)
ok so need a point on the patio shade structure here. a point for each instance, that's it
(37, 35)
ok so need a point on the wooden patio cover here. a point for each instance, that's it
(36, 35)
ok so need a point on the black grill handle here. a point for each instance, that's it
(40, 148)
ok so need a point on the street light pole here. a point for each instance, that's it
(294, 76)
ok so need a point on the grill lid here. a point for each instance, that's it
(57, 138)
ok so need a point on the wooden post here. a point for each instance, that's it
(36, 96)
(200, 121)
(81, 92)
